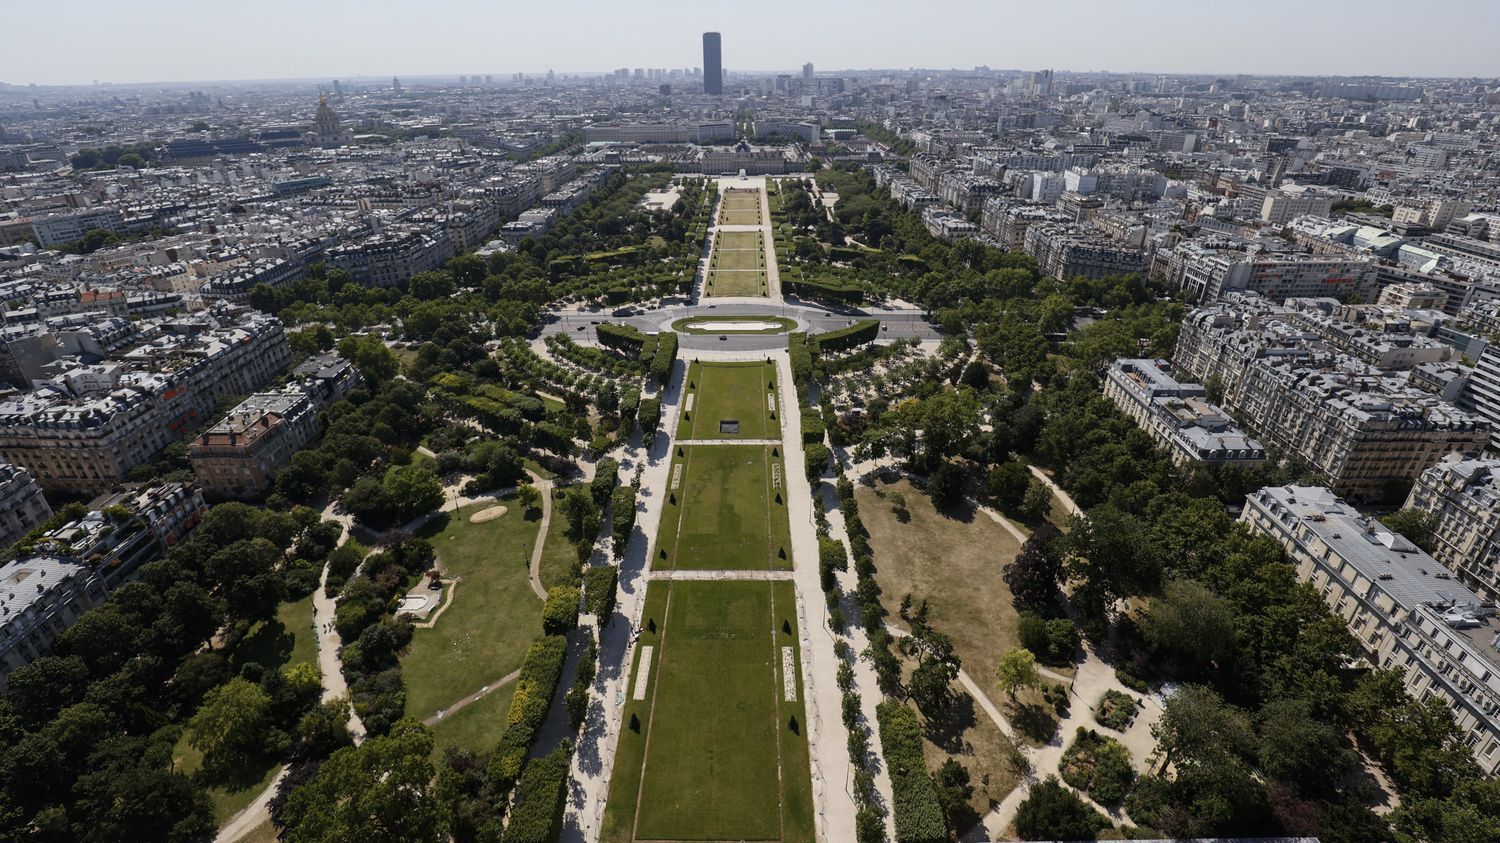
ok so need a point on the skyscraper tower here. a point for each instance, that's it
(713, 65)
(807, 71)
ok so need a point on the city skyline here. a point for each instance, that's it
(180, 43)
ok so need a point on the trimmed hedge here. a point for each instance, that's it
(812, 426)
(801, 352)
(666, 354)
(623, 338)
(606, 475)
(536, 815)
(861, 332)
(806, 288)
(816, 457)
(650, 417)
(622, 516)
(540, 672)
(560, 611)
(919, 815)
(599, 584)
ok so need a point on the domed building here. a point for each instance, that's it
(327, 132)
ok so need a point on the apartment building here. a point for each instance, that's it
(83, 430)
(1066, 252)
(53, 229)
(22, 504)
(1209, 272)
(1284, 204)
(1462, 495)
(390, 258)
(1178, 416)
(238, 456)
(1363, 428)
(1407, 611)
(40, 597)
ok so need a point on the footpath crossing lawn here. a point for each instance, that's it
(725, 752)
(725, 510)
(740, 392)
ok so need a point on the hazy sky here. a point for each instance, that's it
(199, 40)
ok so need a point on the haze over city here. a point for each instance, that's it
(183, 40)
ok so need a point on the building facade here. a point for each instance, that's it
(22, 504)
(238, 456)
(1407, 611)
(1178, 416)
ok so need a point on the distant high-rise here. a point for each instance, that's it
(807, 71)
(338, 90)
(395, 85)
(713, 65)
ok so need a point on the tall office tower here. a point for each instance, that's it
(807, 71)
(395, 85)
(338, 90)
(713, 65)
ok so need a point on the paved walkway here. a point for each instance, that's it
(1067, 500)
(768, 576)
(334, 687)
(545, 487)
(827, 738)
(480, 694)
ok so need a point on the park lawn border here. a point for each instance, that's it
(784, 325)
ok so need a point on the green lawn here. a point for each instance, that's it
(559, 558)
(780, 325)
(737, 282)
(725, 513)
(722, 760)
(228, 798)
(476, 726)
(739, 391)
(286, 639)
(740, 207)
(483, 635)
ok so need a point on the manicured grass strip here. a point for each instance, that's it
(723, 760)
(727, 512)
(474, 727)
(736, 391)
(711, 325)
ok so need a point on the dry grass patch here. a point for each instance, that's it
(954, 562)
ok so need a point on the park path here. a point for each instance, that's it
(761, 442)
(827, 738)
(544, 486)
(334, 687)
(594, 755)
(478, 695)
(1067, 499)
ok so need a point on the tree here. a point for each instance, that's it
(954, 791)
(413, 489)
(1112, 558)
(1191, 620)
(1035, 575)
(229, 728)
(382, 790)
(945, 485)
(1007, 483)
(529, 496)
(369, 502)
(1037, 501)
(1052, 812)
(1017, 670)
(375, 362)
(1296, 748)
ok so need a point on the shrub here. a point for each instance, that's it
(1116, 710)
(1053, 642)
(1131, 681)
(1099, 766)
(536, 813)
(1052, 812)
(599, 584)
(622, 516)
(816, 458)
(918, 814)
(560, 612)
(528, 708)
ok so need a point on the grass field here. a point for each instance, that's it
(739, 391)
(740, 207)
(726, 513)
(722, 758)
(738, 265)
(953, 560)
(476, 726)
(483, 635)
(558, 555)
